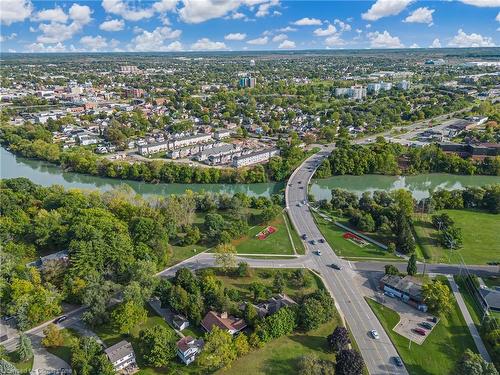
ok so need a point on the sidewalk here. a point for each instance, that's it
(468, 320)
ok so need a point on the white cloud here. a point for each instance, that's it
(306, 21)
(54, 15)
(94, 43)
(335, 41)
(384, 8)
(236, 16)
(482, 3)
(197, 11)
(120, 8)
(287, 29)
(112, 25)
(436, 43)
(280, 38)
(259, 41)
(498, 17)
(153, 40)
(40, 47)
(330, 30)
(384, 40)
(343, 26)
(80, 14)
(420, 15)
(15, 11)
(8, 37)
(205, 44)
(235, 36)
(287, 44)
(263, 9)
(414, 45)
(463, 40)
(368, 25)
(163, 6)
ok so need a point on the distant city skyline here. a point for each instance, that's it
(239, 25)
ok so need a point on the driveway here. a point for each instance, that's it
(43, 361)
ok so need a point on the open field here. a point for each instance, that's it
(345, 248)
(440, 352)
(480, 237)
(276, 243)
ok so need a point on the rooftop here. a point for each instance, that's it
(119, 350)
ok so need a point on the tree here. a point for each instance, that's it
(128, 315)
(7, 368)
(87, 358)
(412, 265)
(349, 362)
(339, 339)
(225, 256)
(473, 364)
(451, 238)
(438, 297)
(53, 337)
(219, 350)
(442, 221)
(311, 314)
(390, 269)
(243, 269)
(251, 314)
(281, 323)
(312, 365)
(158, 345)
(24, 349)
(279, 282)
(241, 344)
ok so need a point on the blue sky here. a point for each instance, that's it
(210, 25)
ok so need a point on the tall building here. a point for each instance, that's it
(248, 82)
(404, 85)
(357, 92)
(373, 87)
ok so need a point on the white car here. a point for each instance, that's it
(318, 252)
(374, 334)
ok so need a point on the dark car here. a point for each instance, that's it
(313, 242)
(433, 319)
(397, 361)
(426, 325)
(304, 236)
(419, 331)
(321, 240)
(299, 182)
(336, 266)
(60, 319)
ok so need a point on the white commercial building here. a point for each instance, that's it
(172, 144)
(255, 157)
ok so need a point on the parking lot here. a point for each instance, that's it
(410, 318)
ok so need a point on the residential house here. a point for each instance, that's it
(188, 348)
(224, 321)
(274, 304)
(180, 322)
(122, 356)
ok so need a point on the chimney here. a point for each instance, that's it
(223, 315)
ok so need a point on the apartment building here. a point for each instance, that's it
(254, 157)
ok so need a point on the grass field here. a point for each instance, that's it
(480, 237)
(281, 356)
(276, 243)
(23, 367)
(345, 248)
(440, 352)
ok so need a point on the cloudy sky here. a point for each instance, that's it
(210, 25)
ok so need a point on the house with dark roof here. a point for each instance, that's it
(180, 322)
(122, 356)
(490, 297)
(274, 304)
(188, 348)
(224, 321)
(407, 288)
(60, 257)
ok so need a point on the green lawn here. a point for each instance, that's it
(64, 351)
(276, 243)
(439, 353)
(345, 248)
(281, 356)
(480, 237)
(23, 367)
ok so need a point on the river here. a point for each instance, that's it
(47, 174)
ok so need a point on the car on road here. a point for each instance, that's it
(60, 319)
(312, 242)
(426, 325)
(304, 236)
(419, 331)
(318, 252)
(321, 240)
(299, 204)
(397, 361)
(299, 182)
(301, 187)
(374, 334)
(336, 266)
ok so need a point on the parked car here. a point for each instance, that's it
(299, 182)
(60, 319)
(397, 361)
(433, 319)
(336, 266)
(419, 331)
(374, 334)
(426, 325)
